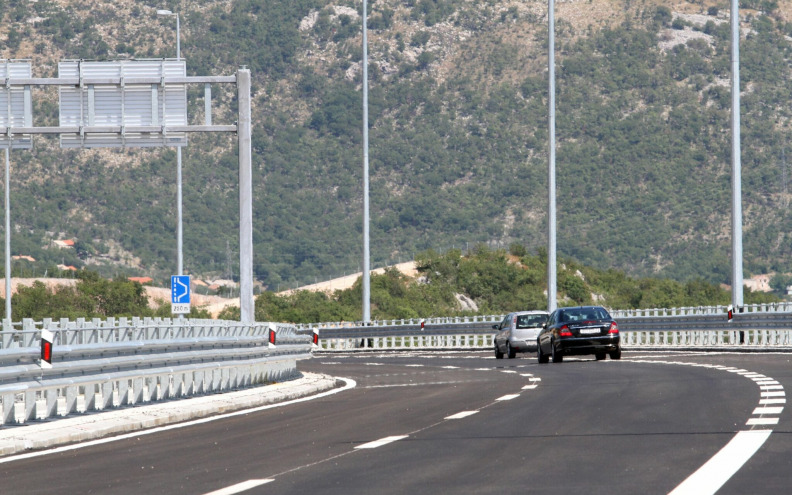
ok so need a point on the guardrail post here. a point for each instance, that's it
(8, 408)
(51, 407)
(71, 399)
(31, 398)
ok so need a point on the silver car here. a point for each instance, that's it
(518, 332)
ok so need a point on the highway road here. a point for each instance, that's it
(463, 422)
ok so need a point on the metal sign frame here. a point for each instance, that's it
(134, 130)
(127, 104)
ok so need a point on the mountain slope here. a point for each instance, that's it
(458, 139)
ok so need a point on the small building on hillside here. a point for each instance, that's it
(64, 243)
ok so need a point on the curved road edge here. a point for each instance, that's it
(176, 413)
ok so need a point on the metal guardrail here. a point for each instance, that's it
(100, 364)
(618, 314)
(757, 325)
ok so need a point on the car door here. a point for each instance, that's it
(547, 333)
(502, 333)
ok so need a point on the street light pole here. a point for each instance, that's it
(551, 166)
(366, 245)
(179, 227)
(737, 248)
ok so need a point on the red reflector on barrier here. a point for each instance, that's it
(316, 337)
(46, 348)
(272, 337)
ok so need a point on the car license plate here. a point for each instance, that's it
(589, 331)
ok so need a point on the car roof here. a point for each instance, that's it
(532, 312)
(583, 307)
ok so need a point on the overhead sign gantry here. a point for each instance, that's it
(126, 103)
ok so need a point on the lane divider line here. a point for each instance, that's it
(508, 397)
(719, 469)
(349, 384)
(381, 442)
(460, 415)
(710, 477)
(240, 487)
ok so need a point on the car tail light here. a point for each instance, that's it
(614, 328)
(564, 332)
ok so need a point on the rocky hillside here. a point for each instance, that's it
(458, 111)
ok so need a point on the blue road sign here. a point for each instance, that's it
(180, 289)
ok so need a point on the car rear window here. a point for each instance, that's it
(530, 321)
(583, 314)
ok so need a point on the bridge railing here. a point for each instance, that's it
(758, 325)
(100, 364)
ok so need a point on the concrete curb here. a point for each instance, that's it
(79, 428)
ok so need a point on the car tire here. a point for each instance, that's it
(557, 356)
(541, 356)
(600, 356)
(498, 353)
(511, 352)
(615, 354)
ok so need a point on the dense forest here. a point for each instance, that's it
(458, 137)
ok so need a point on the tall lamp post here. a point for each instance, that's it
(737, 249)
(179, 238)
(551, 166)
(366, 246)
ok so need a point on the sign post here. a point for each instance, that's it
(180, 294)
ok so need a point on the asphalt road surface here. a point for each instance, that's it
(464, 422)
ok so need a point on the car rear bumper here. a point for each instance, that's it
(523, 345)
(588, 345)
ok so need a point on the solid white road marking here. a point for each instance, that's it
(772, 401)
(350, 384)
(240, 487)
(530, 387)
(460, 415)
(508, 397)
(508, 371)
(771, 387)
(717, 471)
(381, 442)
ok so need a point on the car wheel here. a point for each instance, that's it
(615, 354)
(557, 356)
(511, 352)
(600, 356)
(541, 356)
(498, 353)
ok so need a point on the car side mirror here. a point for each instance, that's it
(494, 327)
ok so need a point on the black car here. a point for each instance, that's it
(579, 330)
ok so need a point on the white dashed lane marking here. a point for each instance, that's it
(460, 415)
(240, 487)
(508, 397)
(381, 442)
